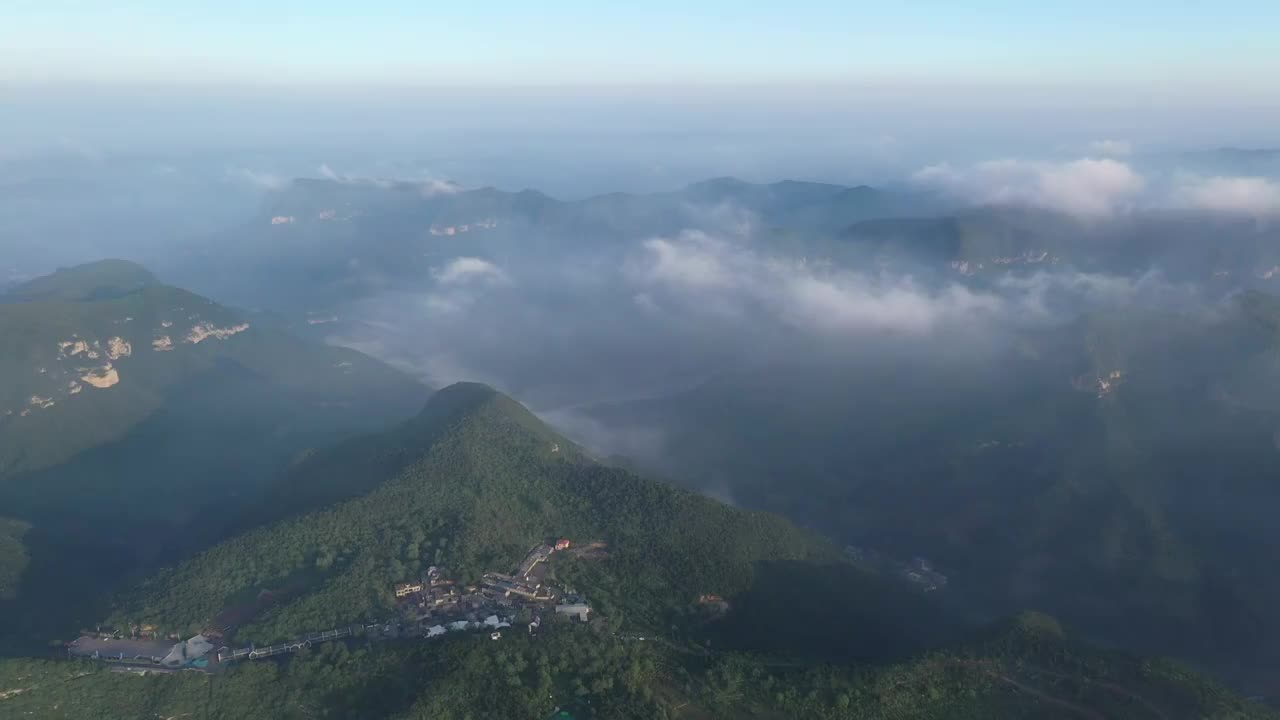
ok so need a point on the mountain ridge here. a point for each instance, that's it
(159, 414)
(79, 283)
(489, 485)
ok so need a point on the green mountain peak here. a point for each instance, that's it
(99, 280)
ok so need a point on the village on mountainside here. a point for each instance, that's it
(429, 607)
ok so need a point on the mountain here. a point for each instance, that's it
(471, 484)
(103, 280)
(1114, 470)
(319, 243)
(1025, 668)
(983, 243)
(792, 629)
(92, 351)
(138, 420)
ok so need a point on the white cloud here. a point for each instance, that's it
(432, 188)
(848, 302)
(1111, 148)
(1086, 187)
(461, 283)
(1252, 196)
(466, 269)
(709, 276)
(694, 259)
(260, 179)
(428, 186)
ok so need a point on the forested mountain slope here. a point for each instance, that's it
(471, 484)
(1114, 470)
(1026, 668)
(90, 352)
(138, 420)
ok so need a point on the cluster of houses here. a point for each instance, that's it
(430, 607)
(493, 623)
(527, 580)
(437, 604)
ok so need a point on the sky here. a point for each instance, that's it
(322, 72)
(1221, 47)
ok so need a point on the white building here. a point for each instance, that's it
(581, 611)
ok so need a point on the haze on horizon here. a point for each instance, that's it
(148, 74)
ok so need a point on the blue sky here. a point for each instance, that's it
(1225, 47)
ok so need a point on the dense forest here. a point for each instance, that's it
(1021, 476)
(474, 482)
(471, 483)
(1025, 668)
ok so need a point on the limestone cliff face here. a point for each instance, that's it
(101, 378)
(204, 331)
(118, 348)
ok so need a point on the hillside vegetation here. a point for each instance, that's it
(139, 421)
(1025, 668)
(90, 352)
(471, 484)
(1115, 470)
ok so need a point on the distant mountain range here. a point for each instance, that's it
(321, 243)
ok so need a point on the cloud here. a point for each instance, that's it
(259, 179)
(634, 441)
(1111, 148)
(468, 269)
(1053, 295)
(428, 186)
(843, 302)
(1087, 187)
(433, 188)
(713, 276)
(1252, 196)
(460, 284)
(694, 259)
